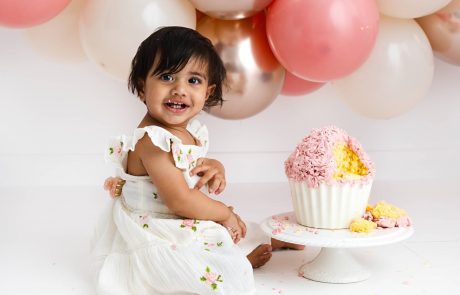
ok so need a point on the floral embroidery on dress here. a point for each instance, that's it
(209, 246)
(189, 223)
(190, 160)
(211, 278)
(116, 149)
(143, 220)
(178, 153)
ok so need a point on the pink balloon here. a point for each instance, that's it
(295, 86)
(28, 13)
(322, 40)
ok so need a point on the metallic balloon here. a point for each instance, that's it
(230, 9)
(254, 76)
(443, 31)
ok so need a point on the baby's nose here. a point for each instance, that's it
(178, 90)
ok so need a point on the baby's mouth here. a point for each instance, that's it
(176, 105)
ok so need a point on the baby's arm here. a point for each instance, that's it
(211, 172)
(174, 191)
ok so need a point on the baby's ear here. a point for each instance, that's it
(210, 90)
(140, 91)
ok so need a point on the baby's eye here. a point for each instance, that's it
(166, 77)
(194, 80)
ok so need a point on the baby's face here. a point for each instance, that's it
(174, 99)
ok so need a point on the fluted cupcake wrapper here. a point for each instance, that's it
(329, 206)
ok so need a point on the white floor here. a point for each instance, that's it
(45, 232)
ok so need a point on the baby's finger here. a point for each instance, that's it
(199, 169)
(221, 187)
(213, 185)
(205, 178)
(200, 161)
(243, 227)
(237, 236)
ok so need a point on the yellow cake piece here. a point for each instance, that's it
(349, 166)
(361, 225)
(383, 209)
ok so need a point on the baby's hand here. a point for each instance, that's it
(114, 185)
(240, 222)
(212, 172)
(233, 226)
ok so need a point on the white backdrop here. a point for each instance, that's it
(56, 118)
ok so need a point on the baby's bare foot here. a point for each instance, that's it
(277, 244)
(260, 255)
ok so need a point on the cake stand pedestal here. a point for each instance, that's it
(333, 264)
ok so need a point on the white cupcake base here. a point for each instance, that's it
(329, 206)
(334, 264)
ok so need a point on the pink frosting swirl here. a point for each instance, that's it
(313, 159)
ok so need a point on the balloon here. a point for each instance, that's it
(230, 9)
(112, 30)
(410, 8)
(250, 87)
(322, 40)
(396, 76)
(199, 15)
(264, 58)
(27, 13)
(443, 31)
(295, 86)
(59, 39)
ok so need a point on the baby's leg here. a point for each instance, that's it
(277, 244)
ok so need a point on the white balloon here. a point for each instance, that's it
(230, 9)
(112, 30)
(397, 74)
(410, 8)
(58, 39)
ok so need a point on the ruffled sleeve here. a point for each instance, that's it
(119, 146)
(200, 131)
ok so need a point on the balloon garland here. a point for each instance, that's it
(269, 47)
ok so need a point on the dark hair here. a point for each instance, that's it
(174, 46)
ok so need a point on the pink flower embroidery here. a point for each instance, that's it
(178, 153)
(189, 223)
(211, 278)
(190, 160)
(209, 246)
(144, 220)
(116, 149)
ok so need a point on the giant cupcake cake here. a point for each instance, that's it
(330, 178)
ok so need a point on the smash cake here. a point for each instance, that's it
(330, 179)
(382, 215)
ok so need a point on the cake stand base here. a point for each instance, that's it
(334, 265)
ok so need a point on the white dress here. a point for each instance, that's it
(141, 247)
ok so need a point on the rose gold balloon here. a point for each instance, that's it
(230, 9)
(254, 76)
(443, 31)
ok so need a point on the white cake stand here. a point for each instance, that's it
(333, 264)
